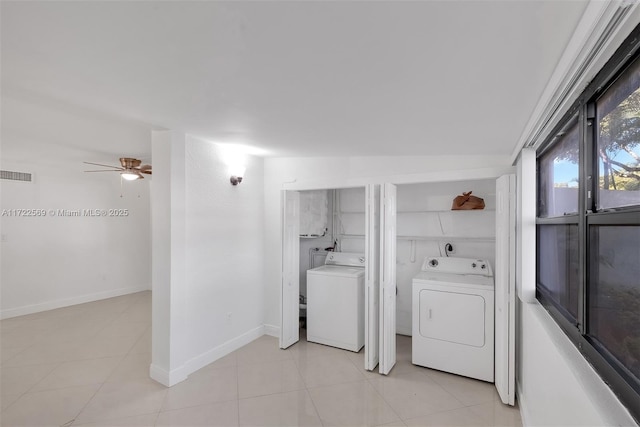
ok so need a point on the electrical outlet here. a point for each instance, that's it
(3, 237)
(229, 317)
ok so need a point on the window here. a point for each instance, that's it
(618, 146)
(558, 256)
(588, 223)
(614, 293)
(558, 264)
(558, 176)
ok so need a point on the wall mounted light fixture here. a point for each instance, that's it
(237, 172)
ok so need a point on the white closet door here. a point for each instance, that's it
(372, 277)
(505, 288)
(289, 324)
(388, 278)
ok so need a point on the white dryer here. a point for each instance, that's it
(335, 301)
(453, 317)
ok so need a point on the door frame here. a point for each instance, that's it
(293, 280)
(505, 279)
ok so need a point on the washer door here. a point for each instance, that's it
(453, 317)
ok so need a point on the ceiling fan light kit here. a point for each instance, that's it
(130, 169)
(131, 175)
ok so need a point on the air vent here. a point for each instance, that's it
(15, 176)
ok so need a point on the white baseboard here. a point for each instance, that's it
(181, 373)
(524, 413)
(165, 378)
(222, 350)
(66, 302)
(272, 330)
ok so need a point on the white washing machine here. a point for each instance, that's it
(453, 317)
(335, 301)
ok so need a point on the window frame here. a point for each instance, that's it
(625, 386)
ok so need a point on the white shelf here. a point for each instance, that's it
(448, 210)
(442, 238)
(448, 238)
(422, 211)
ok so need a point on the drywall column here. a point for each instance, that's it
(168, 237)
(526, 225)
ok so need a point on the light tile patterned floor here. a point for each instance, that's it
(88, 365)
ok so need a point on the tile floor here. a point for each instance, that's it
(88, 365)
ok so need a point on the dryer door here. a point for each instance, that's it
(454, 317)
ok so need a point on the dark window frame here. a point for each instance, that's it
(625, 386)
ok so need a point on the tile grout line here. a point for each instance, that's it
(385, 400)
(99, 388)
(238, 388)
(117, 366)
(306, 390)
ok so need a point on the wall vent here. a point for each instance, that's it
(15, 176)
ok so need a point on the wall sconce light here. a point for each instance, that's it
(237, 172)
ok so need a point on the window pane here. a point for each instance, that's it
(614, 292)
(558, 174)
(619, 142)
(558, 265)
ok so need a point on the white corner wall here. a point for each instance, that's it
(58, 260)
(208, 256)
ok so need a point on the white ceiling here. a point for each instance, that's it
(298, 78)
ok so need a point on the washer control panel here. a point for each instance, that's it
(345, 258)
(453, 265)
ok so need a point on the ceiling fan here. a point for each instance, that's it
(130, 168)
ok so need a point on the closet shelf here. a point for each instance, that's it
(447, 210)
(438, 238)
(449, 238)
(421, 211)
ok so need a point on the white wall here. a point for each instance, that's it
(169, 345)
(208, 300)
(556, 385)
(318, 173)
(55, 261)
(224, 251)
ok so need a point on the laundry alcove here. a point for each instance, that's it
(396, 227)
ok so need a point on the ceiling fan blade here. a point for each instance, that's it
(107, 170)
(106, 166)
(148, 172)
